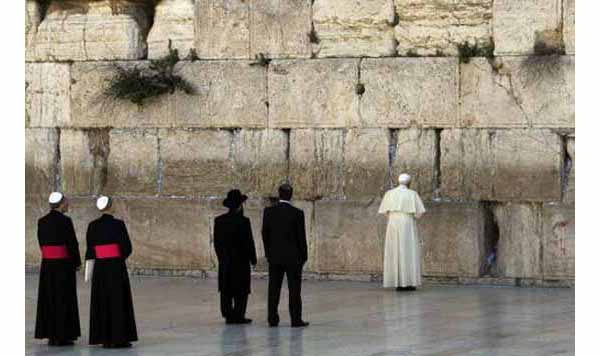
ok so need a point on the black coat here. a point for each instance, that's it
(57, 311)
(235, 250)
(284, 235)
(112, 319)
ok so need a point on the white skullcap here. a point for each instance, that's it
(404, 178)
(55, 198)
(102, 202)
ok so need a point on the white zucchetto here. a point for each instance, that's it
(102, 202)
(404, 179)
(55, 198)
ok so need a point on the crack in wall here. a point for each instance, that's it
(287, 133)
(491, 238)
(99, 148)
(57, 162)
(566, 165)
(392, 154)
(437, 171)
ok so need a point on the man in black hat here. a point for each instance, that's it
(284, 239)
(235, 250)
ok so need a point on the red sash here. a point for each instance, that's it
(54, 252)
(107, 251)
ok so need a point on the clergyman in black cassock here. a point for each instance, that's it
(284, 240)
(234, 246)
(112, 319)
(57, 317)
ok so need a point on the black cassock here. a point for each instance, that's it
(57, 312)
(112, 319)
(235, 250)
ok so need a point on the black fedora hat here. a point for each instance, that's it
(234, 199)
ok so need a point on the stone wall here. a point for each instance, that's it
(355, 93)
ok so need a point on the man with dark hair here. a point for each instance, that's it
(284, 240)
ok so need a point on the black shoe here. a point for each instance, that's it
(229, 321)
(273, 325)
(244, 321)
(299, 324)
(411, 288)
(123, 345)
(107, 346)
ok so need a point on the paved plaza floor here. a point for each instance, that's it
(180, 316)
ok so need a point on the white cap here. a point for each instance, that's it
(404, 178)
(55, 198)
(102, 202)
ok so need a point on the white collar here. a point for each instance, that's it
(402, 186)
(285, 201)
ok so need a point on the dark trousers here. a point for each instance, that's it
(233, 307)
(294, 279)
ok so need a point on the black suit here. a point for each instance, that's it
(284, 239)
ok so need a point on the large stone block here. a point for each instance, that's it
(196, 162)
(558, 241)
(415, 154)
(354, 28)
(174, 21)
(366, 163)
(504, 165)
(280, 28)
(33, 17)
(41, 162)
(83, 160)
(35, 208)
(517, 23)
(569, 193)
(132, 162)
(518, 92)
(223, 29)
(431, 27)
(316, 163)
(315, 93)
(403, 92)
(97, 30)
(568, 25)
(452, 236)
(349, 237)
(47, 94)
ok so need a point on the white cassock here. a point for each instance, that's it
(402, 257)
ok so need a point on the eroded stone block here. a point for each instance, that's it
(569, 194)
(366, 164)
(403, 92)
(414, 153)
(223, 29)
(33, 17)
(568, 23)
(431, 27)
(47, 94)
(41, 162)
(83, 160)
(558, 241)
(174, 21)
(315, 93)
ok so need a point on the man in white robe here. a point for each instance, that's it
(402, 257)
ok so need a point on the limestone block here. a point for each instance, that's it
(518, 22)
(41, 162)
(316, 163)
(83, 160)
(403, 92)
(173, 20)
(503, 165)
(315, 93)
(97, 30)
(349, 236)
(452, 239)
(260, 161)
(569, 194)
(35, 208)
(415, 154)
(47, 94)
(82, 210)
(518, 92)
(223, 29)
(280, 28)
(568, 23)
(520, 240)
(132, 162)
(431, 27)
(196, 162)
(366, 164)
(33, 17)
(558, 241)
(354, 28)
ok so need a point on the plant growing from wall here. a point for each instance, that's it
(261, 60)
(466, 50)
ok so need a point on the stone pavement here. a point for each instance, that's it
(180, 316)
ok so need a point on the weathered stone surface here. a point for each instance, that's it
(504, 165)
(196, 163)
(568, 25)
(315, 93)
(569, 194)
(280, 28)
(366, 164)
(517, 22)
(97, 30)
(354, 28)
(33, 17)
(349, 236)
(520, 240)
(83, 160)
(173, 20)
(316, 163)
(431, 27)
(452, 239)
(41, 162)
(558, 241)
(35, 208)
(133, 162)
(403, 92)
(260, 161)
(518, 92)
(47, 94)
(415, 154)
(223, 29)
